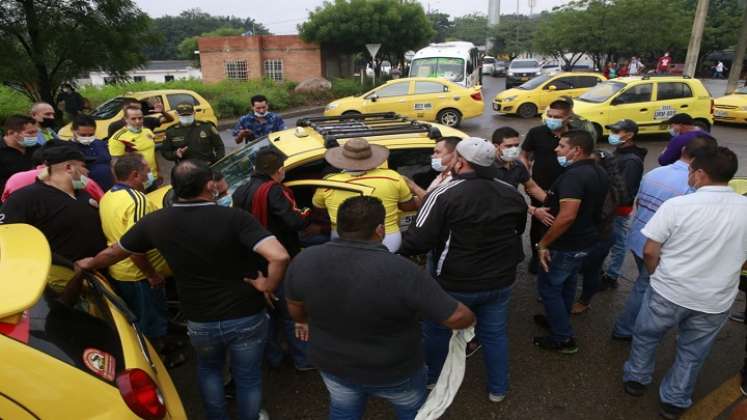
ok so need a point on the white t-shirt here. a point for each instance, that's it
(704, 244)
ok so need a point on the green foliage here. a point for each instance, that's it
(188, 46)
(514, 35)
(442, 26)
(172, 30)
(347, 25)
(472, 28)
(12, 102)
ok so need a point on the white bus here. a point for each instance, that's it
(457, 61)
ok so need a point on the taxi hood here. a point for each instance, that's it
(732, 100)
(510, 92)
(25, 259)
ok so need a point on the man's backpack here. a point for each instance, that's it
(616, 194)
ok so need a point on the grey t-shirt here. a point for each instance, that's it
(364, 306)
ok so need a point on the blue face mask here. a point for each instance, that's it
(614, 139)
(29, 142)
(149, 180)
(225, 201)
(437, 165)
(564, 162)
(554, 124)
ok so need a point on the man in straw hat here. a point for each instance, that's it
(359, 162)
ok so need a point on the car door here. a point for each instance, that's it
(635, 103)
(427, 98)
(555, 88)
(392, 97)
(671, 98)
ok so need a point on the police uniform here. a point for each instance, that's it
(201, 139)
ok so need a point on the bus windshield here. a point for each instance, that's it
(450, 68)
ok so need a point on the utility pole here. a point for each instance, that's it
(693, 49)
(494, 17)
(736, 65)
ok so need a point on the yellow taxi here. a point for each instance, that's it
(71, 357)
(111, 110)
(422, 98)
(648, 100)
(731, 108)
(534, 96)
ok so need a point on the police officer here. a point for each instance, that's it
(191, 139)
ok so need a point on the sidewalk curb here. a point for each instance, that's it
(291, 113)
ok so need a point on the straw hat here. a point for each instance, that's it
(357, 155)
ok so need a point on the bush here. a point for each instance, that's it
(12, 102)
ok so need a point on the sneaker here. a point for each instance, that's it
(579, 308)
(669, 411)
(625, 338)
(263, 415)
(541, 320)
(634, 388)
(547, 343)
(473, 347)
(737, 316)
(496, 398)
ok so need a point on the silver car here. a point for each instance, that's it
(522, 70)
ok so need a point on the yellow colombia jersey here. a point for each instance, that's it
(124, 141)
(120, 208)
(388, 186)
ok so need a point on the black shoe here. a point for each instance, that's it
(634, 388)
(625, 338)
(541, 320)
(669, 411)
(547, 343)
(473, 347)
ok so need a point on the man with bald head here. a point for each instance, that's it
(43, 114)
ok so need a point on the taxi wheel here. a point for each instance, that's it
(527, 110)
(449, 117)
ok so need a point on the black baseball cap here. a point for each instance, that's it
(681, 119)
(58, 151)
(626, 125)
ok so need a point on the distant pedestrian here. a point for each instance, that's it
(718, 70)
(43, 114)
(192, 139)
(682, 128)
(84, 138)
(635, 67)
(260, 122)
(610, 70)
(364, 307)
(663, 63)
(696, 247)
(70, 102)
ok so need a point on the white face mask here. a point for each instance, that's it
(186, 119)
(260, 114)
(437, 165)
(510, 154)
(85, 140)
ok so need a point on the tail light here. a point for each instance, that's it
(712, 106)
(141, 394)
(476, 96)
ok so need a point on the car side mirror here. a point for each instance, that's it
(552, 87)
(373, 98)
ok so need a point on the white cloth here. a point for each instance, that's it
(450, 379)
(704, 244)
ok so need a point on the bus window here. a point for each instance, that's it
(450, 68)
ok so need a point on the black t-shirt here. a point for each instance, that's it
(71, 225)
(210, 249)
(587, 182)
(363, 305)
(541, 143)
(13, 161)
(516, 173)
(150, 123)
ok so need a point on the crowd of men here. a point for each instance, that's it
(252, 269)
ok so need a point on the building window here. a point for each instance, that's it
(168, 78)
(236, 70)
(138, 78)
(274, 69)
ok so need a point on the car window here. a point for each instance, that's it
(237, 166)
(180, 98)
(601, 92)
(450, 68)
(524, 64)
(108, 109)
(586, 81)
(488, 60)
(413, 163)
(149, 103)
(534, 83)
(429, 87)
(563, 83)
(673, 90)
(638, 93)
(395, 89)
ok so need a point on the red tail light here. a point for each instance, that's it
(476, 96)
(141, 394)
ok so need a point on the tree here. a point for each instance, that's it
(560, 35)
(188, 46)
(348, 25)
(54, 41)
(472, 28)
(172, 30)
(514, 35)
(441, 25)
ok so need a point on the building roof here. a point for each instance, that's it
(156, 65)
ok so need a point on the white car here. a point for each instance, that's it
(551, 67)
(488, 66)
(522, 70)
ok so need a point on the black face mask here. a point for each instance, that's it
(47, 123)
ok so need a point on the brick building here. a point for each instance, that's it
(276, 57)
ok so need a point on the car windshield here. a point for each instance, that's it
(238, 166)
(488, 60)
(534, 83)
(549, 66)
(450, 68)
(741, 91)
(108, 109)
(524, 64)
(601, 92)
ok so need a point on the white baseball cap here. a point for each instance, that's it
(480, 154)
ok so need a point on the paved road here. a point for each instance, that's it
(543, 386)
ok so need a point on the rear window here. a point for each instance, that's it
(488, 60)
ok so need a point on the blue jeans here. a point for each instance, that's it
(591, 270)
(242, 338)
(148, 304)
(348, 399)
(491, 309)
(557, 289)
(620, 228)
(626, 320)
(696, 332)
(280, 320)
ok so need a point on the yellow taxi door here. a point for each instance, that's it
(427, 98)
(671, 98)
(634, 103)
(554, 89)
(393, 97)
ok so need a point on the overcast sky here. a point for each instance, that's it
(282, 16)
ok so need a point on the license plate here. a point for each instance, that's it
(524, 78)
(720, 113)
